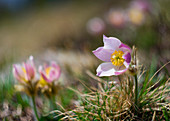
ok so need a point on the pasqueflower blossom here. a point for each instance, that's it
(117, 57)
(25, 72)
(26, 75)
(49, 75)
(51, 72)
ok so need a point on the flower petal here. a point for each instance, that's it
(106, 69)
(54, 65)
(121, 71)
(30, 71)
(57, 70)
(111, 43)
(18, 73)
(43, 74)
(125, 48)
(103, 54)
(30, 68)
(15, 72)
(45, 77)
(127, 57)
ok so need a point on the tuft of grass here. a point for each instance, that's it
(116, 101)
(8, 93)
(6, 88)
(12, 104)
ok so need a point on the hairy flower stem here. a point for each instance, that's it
(136, 90)
(35, 108)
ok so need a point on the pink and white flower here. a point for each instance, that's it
(25, 72)
(50, 73)
(117, 57)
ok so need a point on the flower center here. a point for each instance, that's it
(47, 70)
(25, 75)
(116, 58)
(42, 82)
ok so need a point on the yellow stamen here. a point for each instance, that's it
(47, 70)
(42, 82)
(117, 59)
(24, 70)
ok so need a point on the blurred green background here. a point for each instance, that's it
(29, 27)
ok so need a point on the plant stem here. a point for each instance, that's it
(136, 89)
(35, 108)
(53, 102)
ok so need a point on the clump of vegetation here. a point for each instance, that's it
(115, 100)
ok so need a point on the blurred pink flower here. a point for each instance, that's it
(136, 16)
(143, 5)
(137, 12)
(117, 57)
(95, 26)
(25, 72)
(117, 18)
(50, 73)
